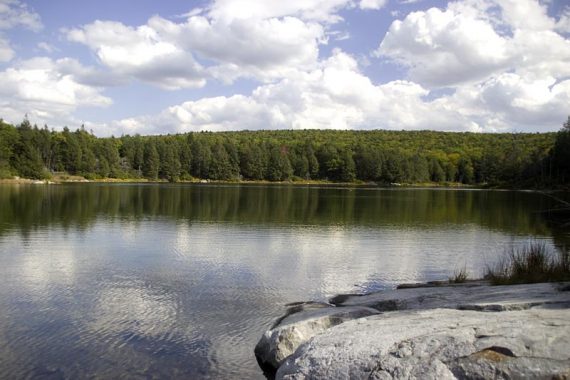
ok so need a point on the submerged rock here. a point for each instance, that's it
(298, 327)
(438, 344)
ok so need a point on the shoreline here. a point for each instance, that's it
(425, 185)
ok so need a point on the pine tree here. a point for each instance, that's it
(151, 160)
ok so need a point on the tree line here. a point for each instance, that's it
(536, 159)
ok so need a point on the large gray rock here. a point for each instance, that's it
(298, 327)
(307, 320)
(439, 344)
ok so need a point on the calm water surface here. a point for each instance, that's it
(179, 281)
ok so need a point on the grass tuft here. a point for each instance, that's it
(531, 263)
(459, 276)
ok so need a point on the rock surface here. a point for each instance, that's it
(464, 297)
(423, 332)
(293, 330)
(438, 344)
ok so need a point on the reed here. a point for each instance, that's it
(532, 263)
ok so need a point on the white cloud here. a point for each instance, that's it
(472, 41)
(505, 60)
(372, 4)
(89, 75)
(525, 101)
(264, 49)
(161, 51)
(140, 53)
(443, 48)
(335, 95)
(525, 14)
(312, 10)
(503, 65)
(37, 87)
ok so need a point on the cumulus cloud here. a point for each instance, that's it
(523, 101)
(264, 49)
(161, 51)
(140, 53)
(525, 14)
(505, 60)
(335, 95)
(502, 64)
(338, 95)
(473, 40)
(442, 48)
(37, 87)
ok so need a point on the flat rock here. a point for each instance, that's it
(306, 321)
(476, 296)
(439, 344)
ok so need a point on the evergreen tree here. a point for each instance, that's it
(169, 167)
(279, 167)
(221, 166)
(26, 157)
(253, 161)
(44, 145)
(347, 170)
(561, 154)
(464, 171)
(420, 169)
(392, 169)
(368, 163)
(8, 139)
(71, 152)
(151, 161)
(329, 162)
(313, 162)
(436, 172)
(108, 152)
(201, 158)
(185, 154)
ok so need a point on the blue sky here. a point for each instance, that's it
(154, 67)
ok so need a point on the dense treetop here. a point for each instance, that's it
(380, 156)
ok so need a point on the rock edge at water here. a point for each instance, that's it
(437, 331)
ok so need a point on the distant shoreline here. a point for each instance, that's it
(77, 179)
(428, 185)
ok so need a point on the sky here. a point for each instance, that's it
(172, 66)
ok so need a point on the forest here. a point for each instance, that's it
(379, 156)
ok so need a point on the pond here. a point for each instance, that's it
(180, 281)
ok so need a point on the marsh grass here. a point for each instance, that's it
(532, 263)
(459, 276)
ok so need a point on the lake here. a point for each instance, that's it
(180, 281)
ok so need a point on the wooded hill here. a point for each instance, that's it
(537, 159)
